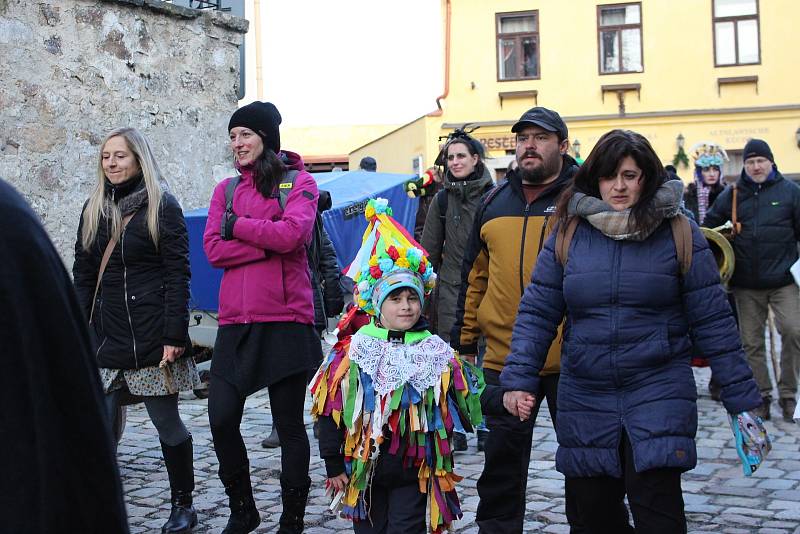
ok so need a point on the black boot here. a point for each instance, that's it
(272, 441)
(244, 516)
(294, 507)
(180, 468)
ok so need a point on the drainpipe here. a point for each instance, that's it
(441, 97)
(259, 75)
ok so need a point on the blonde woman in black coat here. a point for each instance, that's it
(138, 306)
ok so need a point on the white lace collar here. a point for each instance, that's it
(391, 364)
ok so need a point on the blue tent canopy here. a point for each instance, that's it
(344, 222)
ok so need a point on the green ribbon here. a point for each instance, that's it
(373, 330)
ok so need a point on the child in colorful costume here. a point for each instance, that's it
(392, 394)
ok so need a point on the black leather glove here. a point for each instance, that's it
(228, 220)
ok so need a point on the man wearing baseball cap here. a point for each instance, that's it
(765, 247)
(508, 232)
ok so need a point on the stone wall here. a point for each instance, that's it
(72, 70)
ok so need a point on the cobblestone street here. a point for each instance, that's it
(718, 497)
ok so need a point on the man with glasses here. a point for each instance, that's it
(768, 209)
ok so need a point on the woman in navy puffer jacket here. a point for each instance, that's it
(626, 400)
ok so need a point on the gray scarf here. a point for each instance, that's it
(135, 200)
(620, 225)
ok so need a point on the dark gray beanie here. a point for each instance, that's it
(757, 147)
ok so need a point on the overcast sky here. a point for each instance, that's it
(351, 61)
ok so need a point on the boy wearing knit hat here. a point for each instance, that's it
(389, 397)
(768, 209)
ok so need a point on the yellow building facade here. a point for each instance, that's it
(678, 72)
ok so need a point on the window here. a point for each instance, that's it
(736, 33)
(619, 33)
(732, 168)
(518, 45)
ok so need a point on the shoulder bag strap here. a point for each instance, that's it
(564, 238)
(737, 226)
(682, 235)
(104, 261)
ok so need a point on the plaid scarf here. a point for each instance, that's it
(619, 225)
(703, 191)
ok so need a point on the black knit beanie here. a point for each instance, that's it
(757, 147)
(261, 117)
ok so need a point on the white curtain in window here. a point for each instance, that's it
(748, 41)
(734, 8)
(615, 16)
(725, 43)
(632, 50)
(517, 24)
(632, 15)
(507, 59)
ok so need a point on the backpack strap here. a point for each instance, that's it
(737, 226)
(492, 192)
(564, 238)
(682, 235)
(285, 187)
(230, 187)
(441, 201)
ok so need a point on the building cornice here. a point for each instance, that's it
(643, 115)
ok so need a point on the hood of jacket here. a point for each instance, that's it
(474, 185)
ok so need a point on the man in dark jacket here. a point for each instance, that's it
(325, 275)
(768, 209)
(325, 283)
(59, 471)
(509, 230)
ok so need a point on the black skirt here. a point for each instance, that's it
(254, 356)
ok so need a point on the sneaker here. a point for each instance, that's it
(788, 406)
(483, 435)
(763, 410)
(459, 442)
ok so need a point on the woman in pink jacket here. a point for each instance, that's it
(266, 334)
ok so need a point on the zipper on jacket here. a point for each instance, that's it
(100, 316)
(541, 234)
(755, 228)
(615, 274)
(522, 251)
(97, 354)
(125, 284)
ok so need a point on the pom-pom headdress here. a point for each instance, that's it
(708, 154)
(388, 259)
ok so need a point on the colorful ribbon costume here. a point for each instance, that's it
(411, 389)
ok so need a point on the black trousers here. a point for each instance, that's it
(502, 485)
(286, 397)
(394, 510)
(655, 498)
